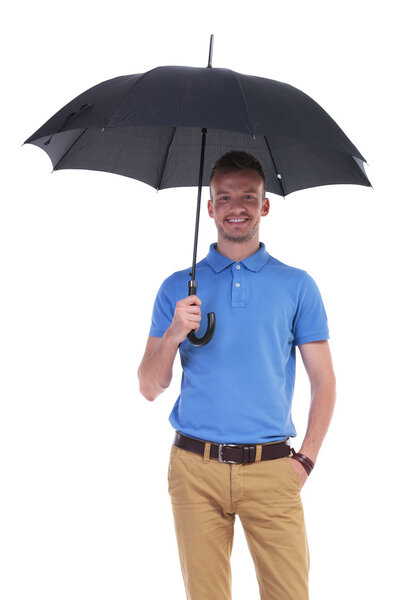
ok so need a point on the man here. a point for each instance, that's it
(238, 390)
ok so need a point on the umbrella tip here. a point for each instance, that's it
(210, 51)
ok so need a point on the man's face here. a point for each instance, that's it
(237, 204)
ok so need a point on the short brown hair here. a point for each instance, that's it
(237, 160)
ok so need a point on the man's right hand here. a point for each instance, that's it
(186, 318)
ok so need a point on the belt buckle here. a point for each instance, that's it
(221, 459)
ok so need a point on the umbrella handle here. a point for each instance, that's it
(193, 339)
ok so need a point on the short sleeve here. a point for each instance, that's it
(310, 322)
(163, 309)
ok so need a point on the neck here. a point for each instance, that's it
(238, 251)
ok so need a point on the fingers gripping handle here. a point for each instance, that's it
(210, 324)
(208, 334)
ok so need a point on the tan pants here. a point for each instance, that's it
(206, 495)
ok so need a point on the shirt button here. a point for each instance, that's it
(238, 266)
(237, 284)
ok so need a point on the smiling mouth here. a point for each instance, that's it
(236, 221)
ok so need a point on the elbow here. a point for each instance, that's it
(152, 392)
(148, 396)
(143, 388)
(148, 388)
(147, 393)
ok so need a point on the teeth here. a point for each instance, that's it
(236, 220)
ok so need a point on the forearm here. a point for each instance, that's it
(155, 371)
(323, 398)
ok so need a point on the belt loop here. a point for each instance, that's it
(207, 448)
(258, 452)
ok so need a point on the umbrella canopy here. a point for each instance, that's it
(153, 127)
(148, 126)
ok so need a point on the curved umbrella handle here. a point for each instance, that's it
(208, 334)
(193, 339)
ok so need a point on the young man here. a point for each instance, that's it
(231, 454)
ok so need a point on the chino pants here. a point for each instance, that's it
(206, 495)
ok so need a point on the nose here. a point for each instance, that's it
(236, 204)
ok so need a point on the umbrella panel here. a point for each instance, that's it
(168, 157)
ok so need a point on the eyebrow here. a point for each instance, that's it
(244, 192)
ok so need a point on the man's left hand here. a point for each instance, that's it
(300, 470)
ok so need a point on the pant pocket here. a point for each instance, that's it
(173, 456)
(293, 473)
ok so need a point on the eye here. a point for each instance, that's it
(248, 197)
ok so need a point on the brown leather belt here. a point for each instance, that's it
(234, 453)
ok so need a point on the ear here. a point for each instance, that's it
(265, 207)
(210, 208)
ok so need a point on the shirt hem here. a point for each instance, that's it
(312, 338)
(156, 333)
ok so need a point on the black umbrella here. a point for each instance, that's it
(153, 127)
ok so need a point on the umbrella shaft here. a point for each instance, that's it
(210, 52)
(196, 231)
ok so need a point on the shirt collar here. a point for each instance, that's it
(254, 262)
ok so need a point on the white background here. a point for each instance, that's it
(85, 511)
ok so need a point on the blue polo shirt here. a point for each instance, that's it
(239, 387)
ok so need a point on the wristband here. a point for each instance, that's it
(306, 462)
